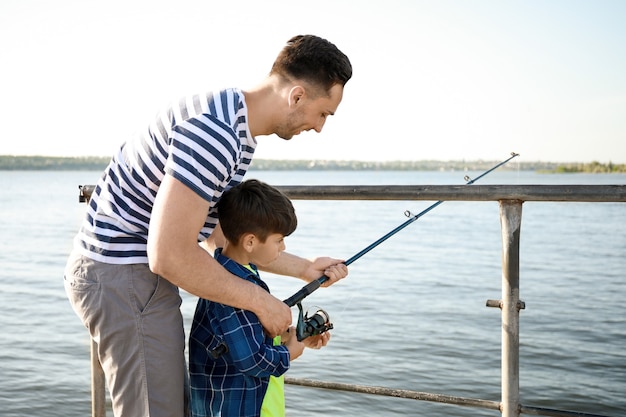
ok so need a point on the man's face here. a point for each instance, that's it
(310, 113)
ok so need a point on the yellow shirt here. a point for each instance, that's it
(274, 400)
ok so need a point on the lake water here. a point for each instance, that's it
(411, 315)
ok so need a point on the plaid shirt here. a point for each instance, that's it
(235, 383)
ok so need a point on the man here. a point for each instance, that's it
(156, 201)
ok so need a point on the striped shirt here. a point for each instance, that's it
(202, 141)
(233, 384)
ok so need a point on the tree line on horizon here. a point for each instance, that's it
(97, 163)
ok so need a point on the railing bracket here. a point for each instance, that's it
(494, 303)
(498, 304)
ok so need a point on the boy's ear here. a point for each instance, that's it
(248, 241)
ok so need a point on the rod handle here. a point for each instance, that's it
(305, 291)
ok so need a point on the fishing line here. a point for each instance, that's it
(314, 285)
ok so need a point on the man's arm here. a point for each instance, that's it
(173, 252)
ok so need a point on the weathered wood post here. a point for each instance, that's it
(97, 384)
(98, 392)
(510, 220)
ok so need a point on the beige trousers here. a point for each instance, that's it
(134, 317)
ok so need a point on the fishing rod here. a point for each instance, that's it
(314, 285)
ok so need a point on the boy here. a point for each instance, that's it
(235, 368)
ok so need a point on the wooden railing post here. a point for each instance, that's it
(510, 220)
(97, 384)
(98, 390)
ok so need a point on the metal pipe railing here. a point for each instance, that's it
(510, 198)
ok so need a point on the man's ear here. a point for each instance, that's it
(295, 95)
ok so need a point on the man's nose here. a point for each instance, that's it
(319, 126)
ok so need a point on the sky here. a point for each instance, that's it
(433, 80)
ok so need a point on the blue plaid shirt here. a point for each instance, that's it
(234, 383)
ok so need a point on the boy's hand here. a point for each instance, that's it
(290, 341)
(334, 269)
(317, 341)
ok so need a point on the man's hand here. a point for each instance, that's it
(274, 315)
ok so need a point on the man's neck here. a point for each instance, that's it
(265, 103)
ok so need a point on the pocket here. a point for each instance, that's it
(144, 287)
(151, 293)
(79, 277)
(82, 287)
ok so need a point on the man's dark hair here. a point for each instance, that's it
(315, 60)
(255, 207)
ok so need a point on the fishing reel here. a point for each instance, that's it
(307, 326)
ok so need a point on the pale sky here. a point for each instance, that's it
(438, 79)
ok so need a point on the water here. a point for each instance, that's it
(411, 315)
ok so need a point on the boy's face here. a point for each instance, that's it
(264, 253)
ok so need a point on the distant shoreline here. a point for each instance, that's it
(97, 163)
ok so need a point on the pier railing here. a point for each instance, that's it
(511, 199)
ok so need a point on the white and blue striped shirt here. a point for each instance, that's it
(203, 141)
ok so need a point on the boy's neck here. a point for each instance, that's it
(236, 253)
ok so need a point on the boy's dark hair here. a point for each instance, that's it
(255, 207)
(315, 60)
